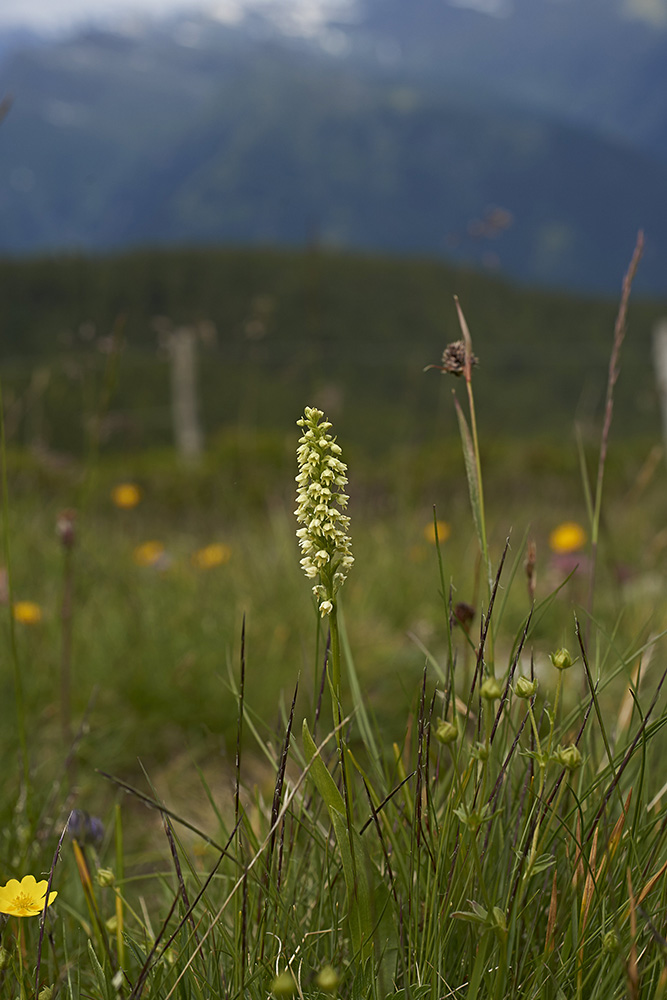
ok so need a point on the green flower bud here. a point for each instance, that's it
(499, 919)
(561, 659)
(328, 979)
(569, 757)
(446, 732)
(610, 943)
(480, 751)
(472, 818)
(46, 993)
(283, 985)
(491, 689)
(525, 688)
(5, 958)
(105, 877)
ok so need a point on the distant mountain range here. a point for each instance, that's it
(528, 137)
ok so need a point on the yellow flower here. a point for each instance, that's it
(27, 612)
(25, 898)
(444, 531)
(211, 555)
(126, 495)
(567, 537)
(149, 554)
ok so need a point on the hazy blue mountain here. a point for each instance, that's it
(531, 141)
(599, 63)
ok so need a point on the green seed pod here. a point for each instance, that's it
(283, 985)
(446, 732)
(569, 757)
(525, 688)
(106, 878)
(328, 979)
(491, 689)
(610, 943)
(561, 659)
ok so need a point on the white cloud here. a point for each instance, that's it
(294, 16)
(653, 12)
(499, 8)
(59, 14)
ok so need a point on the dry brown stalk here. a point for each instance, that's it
(612, 378)
(551, 920)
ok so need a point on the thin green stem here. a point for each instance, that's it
(480, 487)
(19, 944)
(120, 875)
(334, 665)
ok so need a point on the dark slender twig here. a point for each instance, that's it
(387, 799)
(152, 804)
(495, 793)
(420, 750)
(239, 729)
(323, 681)
(374, 818)
(486, 622)
(145, 969)
(628, 755)
(510, 676)
(179, 874)
(280, 781)
(42, 919)
(67, 537)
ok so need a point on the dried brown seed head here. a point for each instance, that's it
(454, 359)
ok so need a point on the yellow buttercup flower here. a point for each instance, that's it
(216, 554)
(148, 553)
(126, 495)
(27, 612)
(567, 537)
(25, 898)
(444, 531)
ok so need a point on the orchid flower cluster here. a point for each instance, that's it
(323, 539)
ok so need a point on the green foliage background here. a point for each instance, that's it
(281, 329)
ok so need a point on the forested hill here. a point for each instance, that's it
(279, 329)
(530, 140)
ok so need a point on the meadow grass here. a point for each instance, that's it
(447, 785)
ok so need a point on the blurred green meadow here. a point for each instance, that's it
(161, 589)
(159, 635)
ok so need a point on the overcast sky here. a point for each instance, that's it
(61, 13)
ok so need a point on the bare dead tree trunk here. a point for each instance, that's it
(660, 363)
(182, 344)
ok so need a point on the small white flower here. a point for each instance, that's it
(324, 542)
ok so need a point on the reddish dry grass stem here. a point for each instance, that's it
(612, 378)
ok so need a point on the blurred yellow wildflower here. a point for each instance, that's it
(216, 554)
(444, 531)
(149, 553)
(126, 495)
(27, 612)
(567, 537)
(25, 898)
